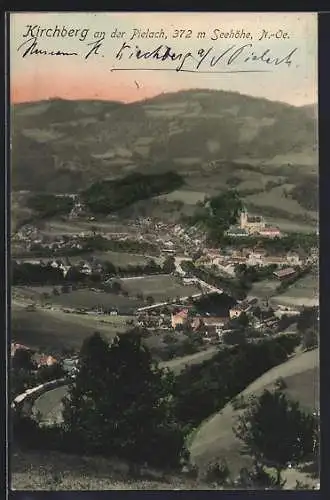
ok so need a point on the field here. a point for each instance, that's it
(264, 288)
(304, 292)
(188, 197)
(275, 198)
(89, 299)
(215, 437)
(54, 227)
(179, 364)
(159, 287)
(30, 293)
(120, 259)
(291, 226)
(49, 405)
(51, 331)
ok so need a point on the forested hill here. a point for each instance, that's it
(62, 146)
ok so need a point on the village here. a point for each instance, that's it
(178, 255)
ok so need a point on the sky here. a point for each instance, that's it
(38, 77)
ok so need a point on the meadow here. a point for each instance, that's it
(188, 197)
(276, 198)
(88, 299)
(58, 227)
(159, 287)
(264, 288)
(52, 331)
(303, 292)
(215, 437)
(83, 298)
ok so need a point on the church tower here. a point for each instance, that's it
(243, 219)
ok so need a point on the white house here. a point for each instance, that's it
(293, 259)
(86, 269)
(255, 259)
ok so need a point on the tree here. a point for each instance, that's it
(169, 265)
(116, 287)
(47, 373)
(307, 319)
(276, 431)
(120, 403)
(218, 472)
(234, 337)
(310, 339)
(257, 478)
(22, 360)
(74, 275)
(150, 300)
(243, 320)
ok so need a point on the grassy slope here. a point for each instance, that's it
(53, 330)
(215, 437)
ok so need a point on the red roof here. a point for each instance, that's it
(182, 314)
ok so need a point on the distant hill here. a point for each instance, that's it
(61, 145)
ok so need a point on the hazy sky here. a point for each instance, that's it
(36, 77)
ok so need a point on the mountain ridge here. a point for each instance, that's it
(62, 145)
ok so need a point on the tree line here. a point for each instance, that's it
(50, 205)
(108, 196)
(39, 274)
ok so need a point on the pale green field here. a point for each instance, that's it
(290, 226)
(188, 197)
(304, 292)
(159, 287)
(264, 288)
(42, 136)
(275, 198)
(58, 227)
(90, 299)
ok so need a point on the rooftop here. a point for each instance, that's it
(284, 272)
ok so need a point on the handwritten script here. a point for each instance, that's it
(204, 59)
(229, 58)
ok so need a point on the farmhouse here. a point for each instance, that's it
(189, 280)
(284, 273)
(217, 322)
(179, 318)
(237, 310)
(237, 232)
(270, 232)
(278, 260)
(44, 360)
(294, 259)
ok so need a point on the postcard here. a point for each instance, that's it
(164, 251)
